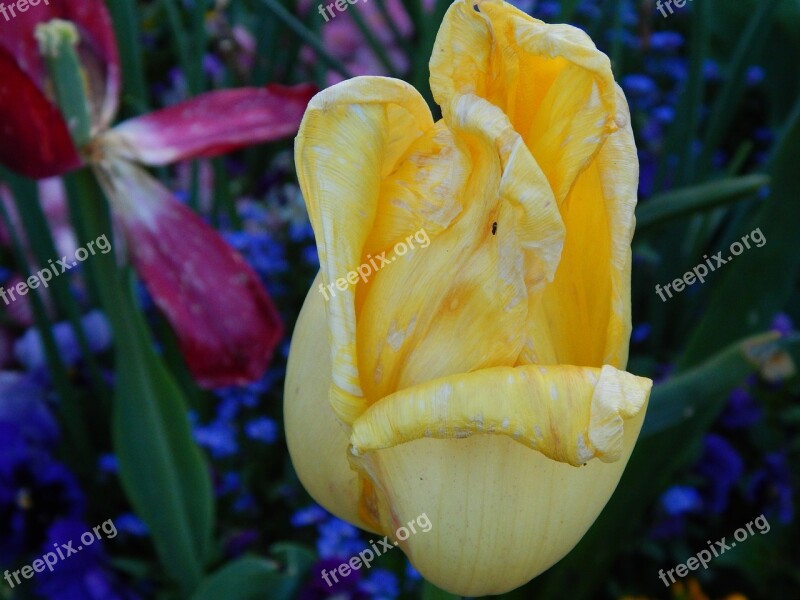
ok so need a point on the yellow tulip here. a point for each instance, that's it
(474, 379)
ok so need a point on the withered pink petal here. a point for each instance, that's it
(34, 139)
(227, 326)
(98, 50)
(212, 123)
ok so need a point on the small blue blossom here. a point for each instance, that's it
(380, 584)
(411, 572)
(666, 41)
(85, 576)
(130, 524)
(262, 429)
(754, 75)
(741, 411)
(108, 464)
(29, 349)
(782, 323)
(338, 538)
(22, 403)
(641, 90)
(641, 332)
(722, 468)
(35, 491)
(771, 485)
(229, 483)
(681, 499)
(218, 437)
(311, 515)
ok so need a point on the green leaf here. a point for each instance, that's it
(749, 295)
(301, 31)
(252, 578)
(125, 16)
(162, 470)
(674, 204)
(681, 397)
(727, 102)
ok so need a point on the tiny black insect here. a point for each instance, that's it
(494, 228)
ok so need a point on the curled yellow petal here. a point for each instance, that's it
(569, 414)
(351, 136)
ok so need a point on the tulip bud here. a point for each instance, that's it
(479, 379)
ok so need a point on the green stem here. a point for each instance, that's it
(57, 42)
(307, 36)
(125, 16)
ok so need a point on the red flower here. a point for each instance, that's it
(226, 323)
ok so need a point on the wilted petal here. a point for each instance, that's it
(212, 123)
(226, 324)
(34, 139)
(97, 52)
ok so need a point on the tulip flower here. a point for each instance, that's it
(226, 324)
(479, 380)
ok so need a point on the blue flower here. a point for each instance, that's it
(130, 524)
(741, 411)
(666, 41)
(22, 403)
(782, 323)
(681, 499)
(546, 10)
(311, 515)
(641, 332)
(771, 485)
(29, 349)
(108, 464)
(722, 468)
(411, 572)
(262, 429)
(81, 576)
(325, 584)
(754, 75)
(338, 538)
(218, 437)
(380, 585)
(641, 90)
(35, 490)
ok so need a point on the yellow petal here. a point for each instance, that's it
(552, 82)
(569, 414)
(584, 317)
(559, 93)
(477, 275)
(351, 136)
